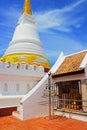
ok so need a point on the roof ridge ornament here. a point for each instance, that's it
(27, 7)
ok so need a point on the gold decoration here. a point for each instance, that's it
(27, 7)
(26, 59)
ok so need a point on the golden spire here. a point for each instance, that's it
(27, 7)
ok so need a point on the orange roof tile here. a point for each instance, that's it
(71, 64)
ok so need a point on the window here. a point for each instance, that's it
(26, 67)
(35, 68)
(17, 87)
(5, 87)
(18, 65)
(28, 87)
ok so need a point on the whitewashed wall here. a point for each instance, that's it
(34, 104)
(18, 79)
(15, 87)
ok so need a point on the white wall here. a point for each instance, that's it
(21, 69)
(34, 104)
(9, 101)
(16, 85)
(15, 79)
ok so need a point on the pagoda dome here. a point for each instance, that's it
(25, 46)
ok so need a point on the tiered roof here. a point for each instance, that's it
(71, 64)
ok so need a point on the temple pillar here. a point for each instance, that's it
(84, 96)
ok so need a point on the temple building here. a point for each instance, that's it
(24, 62)
(70, 81)
(24, 75)
(25, 46)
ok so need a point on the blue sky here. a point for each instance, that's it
(62, 24)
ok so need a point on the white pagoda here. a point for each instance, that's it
(24, 62)
(25, 46)
(24, 70)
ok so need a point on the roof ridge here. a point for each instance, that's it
(76, 53)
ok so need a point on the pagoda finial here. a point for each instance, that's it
(27, 7)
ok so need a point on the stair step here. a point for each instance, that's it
(16, 114)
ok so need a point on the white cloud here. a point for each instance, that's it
(67, 45)
(11, 12)
(57, 19)
(9, 16)
(57, 43)
(52, 54)
(60, 19)
(74, 5)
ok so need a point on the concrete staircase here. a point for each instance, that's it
(33, 104)
(17, 113)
